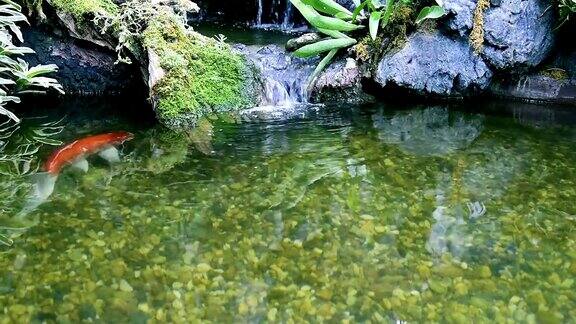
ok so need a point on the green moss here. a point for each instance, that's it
(78, 8)
(202, 74)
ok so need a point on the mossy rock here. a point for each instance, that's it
(199, 75)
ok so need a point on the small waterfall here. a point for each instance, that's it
(287, 22)
(285, 82)
(260, 12)
(275, 14)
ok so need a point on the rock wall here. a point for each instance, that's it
(83, 68)
(519, 36)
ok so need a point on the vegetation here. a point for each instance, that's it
(342, 21)
(79, 8)
(566, 8)
(16, 76)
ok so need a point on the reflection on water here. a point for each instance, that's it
(372, 214)
(431, 131)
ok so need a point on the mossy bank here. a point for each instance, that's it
(201, 75)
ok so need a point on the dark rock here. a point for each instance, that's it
(84, 69)
(340, 82)
(434, 64)
(349, 4)
(536, 87)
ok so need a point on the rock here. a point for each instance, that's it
(85, 32)
(306, 39)
(518, 33)
(340, 82)
(460, 15)
(536, 88)
(434, 64)
(83, 69)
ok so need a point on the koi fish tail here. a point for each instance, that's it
(43, 188)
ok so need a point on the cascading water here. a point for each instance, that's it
(275, 14)
(285, 81)
(287, 22)
(260, 12)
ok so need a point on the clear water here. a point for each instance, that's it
(365, 214)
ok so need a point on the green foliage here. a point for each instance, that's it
(16, 76)
(324, 46)
(431, 12)
(343, 21)
(79, 8)
(566, 9)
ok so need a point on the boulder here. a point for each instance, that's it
(517, 33)
(434, 64)
(536, 88)
(303, 40)
(340, 82)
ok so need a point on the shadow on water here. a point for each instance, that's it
(341, 212)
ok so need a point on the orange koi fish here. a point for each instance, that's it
(74, 154)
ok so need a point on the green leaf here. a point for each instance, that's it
(324, 46)
(319, 21)
(388, 12)
(330, 7)
(358, 10)
(374, 23)
(432, 12)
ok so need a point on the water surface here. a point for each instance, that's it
(375, 213)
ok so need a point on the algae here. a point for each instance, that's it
(477, 33)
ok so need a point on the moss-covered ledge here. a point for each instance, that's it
(198, 75)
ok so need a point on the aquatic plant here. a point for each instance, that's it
(341, 21)
(19, 144)
(16, 77)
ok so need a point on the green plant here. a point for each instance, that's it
(431, 12)
(16, 76)
(566, 9)
(341, 21)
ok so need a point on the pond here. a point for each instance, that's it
(376, 213)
